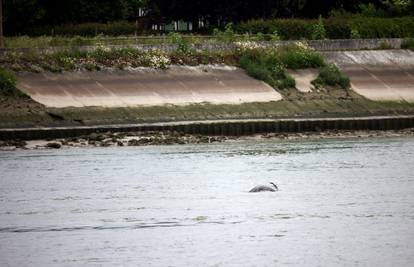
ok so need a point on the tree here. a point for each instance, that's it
(21, 14)
(1, 25)
(132, 10)
(398, 7)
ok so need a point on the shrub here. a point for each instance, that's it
(254, 26)
(369, 10)
(383, 27)
(78, 41)
(330, 75)
(260, 37)
(183, 45)
(355, 34)
(275, 36)
(227, 36)
(228, 32)
(408, 44)
(335, 28)
(298, 56)
(288, 29)
(318, 31)
(8, 84)
(266, 67)
(385, 45)
(87, 29)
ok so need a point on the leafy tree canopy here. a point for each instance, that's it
(22, 14)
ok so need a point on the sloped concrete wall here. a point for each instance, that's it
(178, 85)
(382, 75)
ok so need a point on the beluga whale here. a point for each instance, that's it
(263, 188)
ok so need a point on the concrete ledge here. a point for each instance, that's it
(356, 44)
(224, 128)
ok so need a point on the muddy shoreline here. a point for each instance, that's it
(133, 139)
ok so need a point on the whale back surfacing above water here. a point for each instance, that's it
(263, 188)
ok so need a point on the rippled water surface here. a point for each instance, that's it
(341, 203)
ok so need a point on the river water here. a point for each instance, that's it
(341, 203)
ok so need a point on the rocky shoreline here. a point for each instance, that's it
(132, 139)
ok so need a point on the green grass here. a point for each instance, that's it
(298, 57)
(57, 41)
(266, 67)
(330, 75)
(269, 65)
(8, 84)
(48, 41)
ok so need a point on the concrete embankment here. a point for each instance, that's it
(215, 92)
(381, 75)
(223, 128)
(177, 85)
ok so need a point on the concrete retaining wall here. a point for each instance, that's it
(178, 85)
(224, 128)
(381, 75)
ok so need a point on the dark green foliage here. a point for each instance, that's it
(330, 75)
(225, 36)
(295, 57)
(23, 14)
(318, 31)
(183, 45)
(408, 44)
(383, 27)
(8, 84)
(288, 29)
(270, 65)
(26, 17)
(370, 10)
(266, 67)
(336, 28)
(86, 29)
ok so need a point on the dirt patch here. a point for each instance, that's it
(19, 106)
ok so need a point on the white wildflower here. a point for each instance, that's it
(247, 45)
(302, 45)
(104, 48)
(158, 59)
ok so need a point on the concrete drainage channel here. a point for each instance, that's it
(221, 128)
